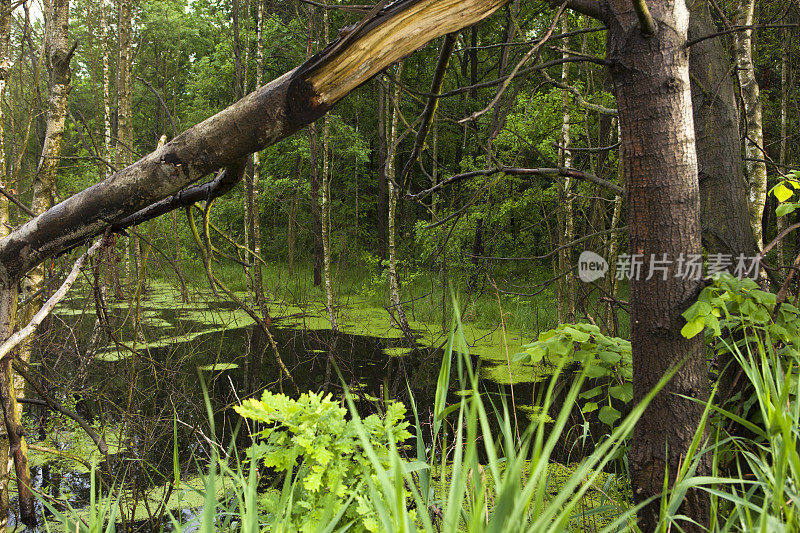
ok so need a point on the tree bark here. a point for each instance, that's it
(651, 78)
(724, 210)
(59, 55)
(5, 227)
(723, 187)
(326, 207)
(756, 169)
(255, 212)
(383, 195)
(316, 218)
(566, 223)
(395, 303)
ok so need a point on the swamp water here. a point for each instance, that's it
(142, 390)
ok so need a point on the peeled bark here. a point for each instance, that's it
(754, 136)
(651, 79)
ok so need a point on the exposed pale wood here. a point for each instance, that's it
(260, 119)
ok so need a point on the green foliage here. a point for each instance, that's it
(313, 435)
(740, 307)
(785, 190)
(603, 358)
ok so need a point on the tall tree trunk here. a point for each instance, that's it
(291, 230)
(724, 210)
(395, 302)
(651, 78)
(124, 146)
(5, 227)
(383, 195)
(326, 205)
(723, 189)
(316, 217)
(316, 220)
(754, 136)
(107, 154)
(255, 212)
(59, 84)
(566, 223)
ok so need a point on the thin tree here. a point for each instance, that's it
(395, 302)
(756, 169)
(58, 55)
(566, 197)
(5, 223)
(326, 204)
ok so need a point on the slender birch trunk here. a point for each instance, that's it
(613, 252)
(124, 145)
(255, 213)
(326, 206)
(316, 222)
(394, 284)
(566, 232)
(107, 154)
(383, 194)
(754, 136)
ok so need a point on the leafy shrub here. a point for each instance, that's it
(603, 358)
(312, 435)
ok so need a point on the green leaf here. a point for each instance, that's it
(591, 393)
(559, 346)
(713, 323)
(608, 415)
(576, 335)
(596, 371)
(589, 407)
(782, 192)
(622, 392)
(693, 327)
(611, 358)
(535, 353)
(785, 209)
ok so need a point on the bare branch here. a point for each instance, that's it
(547, 172)
(55, 406)
(12, 342)
(524, 60)
(430, 107)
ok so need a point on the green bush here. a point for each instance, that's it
(313, 437)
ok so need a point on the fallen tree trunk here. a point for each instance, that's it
(260, 119)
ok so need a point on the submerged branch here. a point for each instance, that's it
(55, 406)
